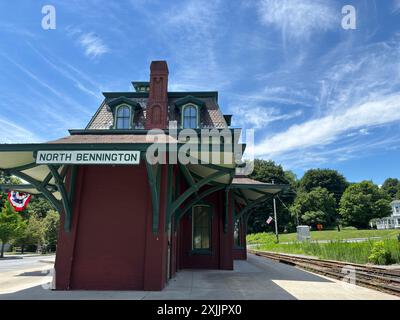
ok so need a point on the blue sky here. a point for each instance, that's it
(317, 95)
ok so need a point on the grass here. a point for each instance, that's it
(258, 238)
(335, 249)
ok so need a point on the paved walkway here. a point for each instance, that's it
(257, 278)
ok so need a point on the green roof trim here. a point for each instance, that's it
(122, 100)
(189, 99)
(141, 86)
(131, 94)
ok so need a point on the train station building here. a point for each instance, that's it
(140, 193)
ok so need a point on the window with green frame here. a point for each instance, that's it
(201, 226)
(189, 117)
(123, 117)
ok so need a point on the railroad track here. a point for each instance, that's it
(367, 276)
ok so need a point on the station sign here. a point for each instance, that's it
(88, 157)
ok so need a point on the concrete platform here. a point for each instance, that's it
(255, 279)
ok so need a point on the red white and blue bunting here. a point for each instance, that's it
(19, 200)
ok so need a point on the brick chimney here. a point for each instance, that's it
(157, 105)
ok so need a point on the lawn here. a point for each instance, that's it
(259, 238)
(335, 249)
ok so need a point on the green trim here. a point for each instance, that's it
(64, 197)
(16, 186)
(130, 94)
(254, 204)
(40, 187)
(180, 213)
(24, 167)
(194, 188)
(154, 187)
(189, 100)
(246, 200)
(213, 182)
(259, 186)
(72, 146)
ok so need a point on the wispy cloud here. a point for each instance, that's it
(78, 83)
(93, 45)
(358, 92)
(396, 6)
(64, 97)
(257, 117)
(297, 20)
(13, 133)
(328, 129)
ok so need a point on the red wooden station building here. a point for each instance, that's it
(128, 223)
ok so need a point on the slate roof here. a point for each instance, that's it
(210, 116)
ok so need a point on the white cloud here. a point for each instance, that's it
(298, 20)
(327, 129)
(93, 45)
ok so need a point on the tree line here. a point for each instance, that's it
(31, 229)
(321, 196)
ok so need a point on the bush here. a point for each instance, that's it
(379, 254)
(349, 228)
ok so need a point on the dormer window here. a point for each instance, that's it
(123, 117)
(190, 108)
(190, 117)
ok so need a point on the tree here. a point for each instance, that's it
(362, 202)
(11, 225)
(314, 207)
(392, 187)
(268, 171)
(51, 225)
(32, 234)
(39, 207)
(329, 179)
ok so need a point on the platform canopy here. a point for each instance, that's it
(48, 178)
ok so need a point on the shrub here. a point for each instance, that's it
(379, 254)
(349, 228)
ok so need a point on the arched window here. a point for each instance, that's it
(123, 117)
(201, 227)
(189, 118)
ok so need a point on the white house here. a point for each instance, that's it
(391, 222)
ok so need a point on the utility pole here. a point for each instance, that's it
(275, 219)
(276, 222)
